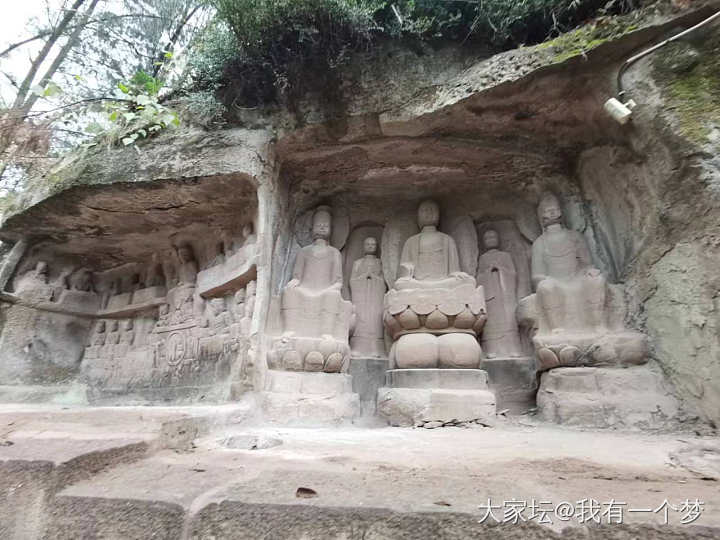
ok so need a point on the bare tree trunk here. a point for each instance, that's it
(42, 55)
(161, 60)
(60, 58)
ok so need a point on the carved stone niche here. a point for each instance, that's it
(233, 269)
(434, 313)
(580, 338)
(46, 321)
(576, 318)
(314, 319)
(314, 323)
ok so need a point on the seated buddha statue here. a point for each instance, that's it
(434, 312)
(570, 291)
(575, 315)
(429, 259)
(311, 303)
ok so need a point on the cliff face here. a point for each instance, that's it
(485, 136)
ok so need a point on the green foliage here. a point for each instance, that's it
(278, 40)
(585, 38)
(140, 115)
(275, 42)
(141, 82)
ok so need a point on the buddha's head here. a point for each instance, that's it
(41, 268)
(114, 326)
(491, 239)
(322, 223)
(100, 327)
(370, 246)
(428, 214)
(549, 210)
(164, 310)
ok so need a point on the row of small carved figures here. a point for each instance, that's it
(155, 275)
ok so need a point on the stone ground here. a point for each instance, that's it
(140, 472)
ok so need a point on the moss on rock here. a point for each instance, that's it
(693, 94)
(586, 38)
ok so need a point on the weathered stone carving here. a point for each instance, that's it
(497, 275)
(315, 318)
(463, 231)
(231, 268)
(33, 282)
(367, 288)
(435, 311)
(434, 315)
(570, 308)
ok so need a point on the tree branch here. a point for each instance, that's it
(104, 20)
(35, 66)
(60, 58)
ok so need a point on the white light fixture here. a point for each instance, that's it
(622, 112)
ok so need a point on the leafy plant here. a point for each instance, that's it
(140, 115)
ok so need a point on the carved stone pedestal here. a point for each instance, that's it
(368, 375)
(414, 396)
(514, 381)
(634, 397)
(303, 398)
(309, 354)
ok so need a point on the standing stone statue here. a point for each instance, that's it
(497, 275)
(126, 339)
(155, 276)
(112, 340)
(188, 268)
(311, 301)
(185, 300)
(367, 289)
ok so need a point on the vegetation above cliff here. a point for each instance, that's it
(262, 48)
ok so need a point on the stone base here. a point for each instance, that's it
(292, 353)
(514, 381)
(634, 397)
(571, 350)
(416, 396)
(368, 375)
(297, 398)
(65, 394)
